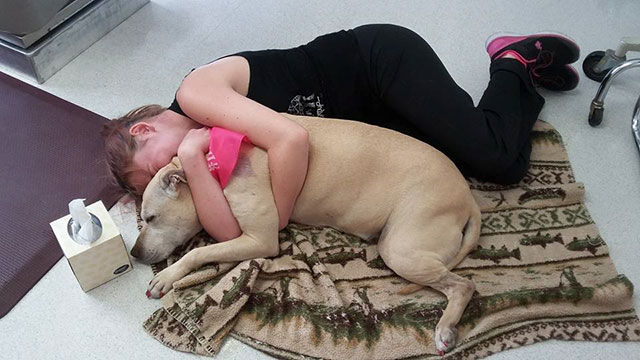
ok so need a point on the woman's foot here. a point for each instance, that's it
(556, 77)
(532, 47)
(544, 56)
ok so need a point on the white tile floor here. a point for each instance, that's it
(144, 59)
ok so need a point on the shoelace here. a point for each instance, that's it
(555, 81)
(543, 60)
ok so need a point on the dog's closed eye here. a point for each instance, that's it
(149, 219)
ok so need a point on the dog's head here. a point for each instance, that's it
(169, 215)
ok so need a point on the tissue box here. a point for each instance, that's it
(103, 260)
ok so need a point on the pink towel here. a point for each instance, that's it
(222, 157)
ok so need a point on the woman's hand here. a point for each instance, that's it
(195, 143)
(209, 100)
(212, 207)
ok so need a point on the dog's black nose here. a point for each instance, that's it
(134, 252)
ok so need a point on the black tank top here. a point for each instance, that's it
(320, 78)
(283, 80)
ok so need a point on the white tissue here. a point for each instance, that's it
(85, 231)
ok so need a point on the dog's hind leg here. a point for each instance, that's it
(428, 267)
(458, 291)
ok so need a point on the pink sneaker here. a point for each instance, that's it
(545, 56)
(556, 77)
(534, 48)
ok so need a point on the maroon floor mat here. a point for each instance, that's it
(50, 153)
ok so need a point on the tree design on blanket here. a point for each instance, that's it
(519, 220)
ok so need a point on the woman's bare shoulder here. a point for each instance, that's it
(232, 71)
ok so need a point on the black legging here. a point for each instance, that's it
(387, 75)
(417, 96)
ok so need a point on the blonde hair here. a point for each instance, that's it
(120, 146)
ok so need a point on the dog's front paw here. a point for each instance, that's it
(163, 281)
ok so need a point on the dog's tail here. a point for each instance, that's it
(411, 288)
(470, 236)
(469, 242)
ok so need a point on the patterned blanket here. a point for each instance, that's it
(541, 269)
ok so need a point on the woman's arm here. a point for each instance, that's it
(212, 207)
(209, 98)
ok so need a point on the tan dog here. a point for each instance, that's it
(362, 179)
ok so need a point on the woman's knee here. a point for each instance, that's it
(500, 169)
(513, 175)
(387, 28)
(390, 33)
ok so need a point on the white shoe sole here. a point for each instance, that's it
(506, 33)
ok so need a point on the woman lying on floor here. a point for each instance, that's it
(384, 75)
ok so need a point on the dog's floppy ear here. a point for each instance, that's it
(171, 180)
(176, 162)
